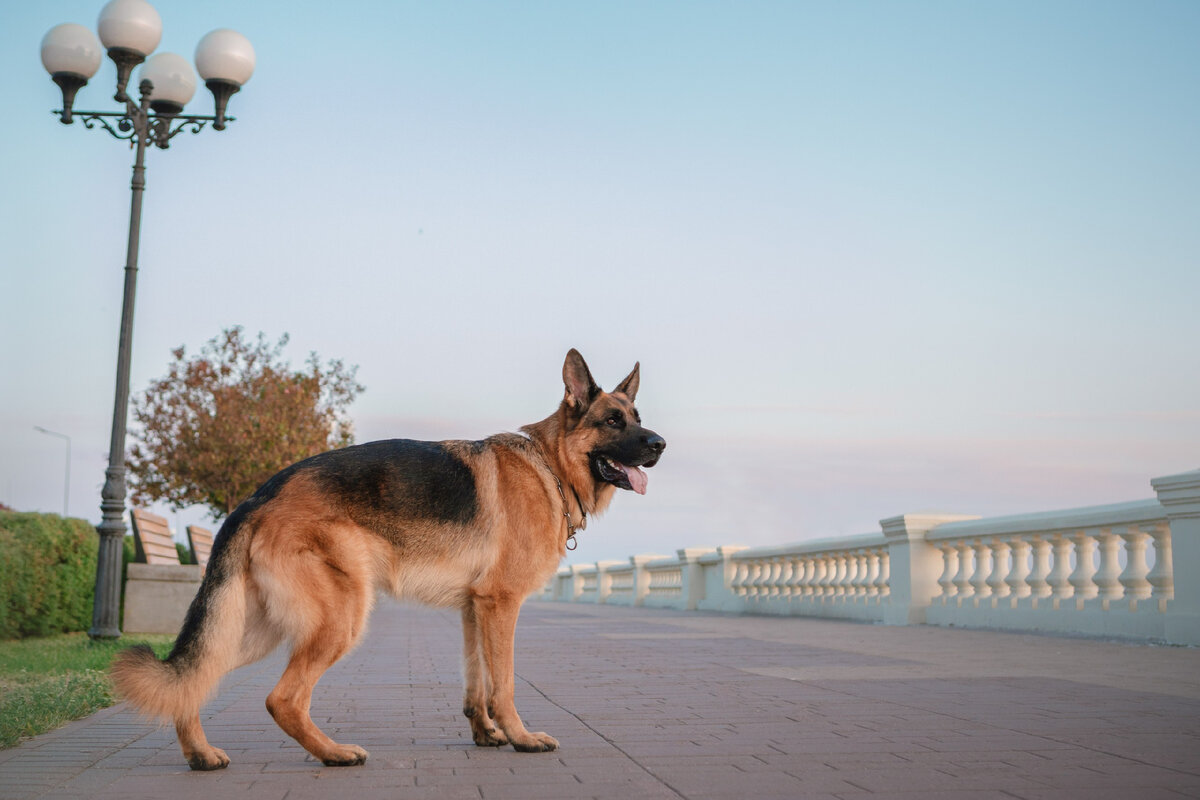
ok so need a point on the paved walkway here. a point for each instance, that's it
(663, 704)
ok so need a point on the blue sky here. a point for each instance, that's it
(873, 257)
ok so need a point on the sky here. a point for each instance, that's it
(873, 257)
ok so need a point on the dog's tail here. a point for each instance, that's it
(208, 645)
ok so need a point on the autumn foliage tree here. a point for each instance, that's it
(222, 422)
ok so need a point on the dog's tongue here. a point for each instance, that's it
(637, 478)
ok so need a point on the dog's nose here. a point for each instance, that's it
(655, 442)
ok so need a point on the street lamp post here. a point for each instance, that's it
(67, 479)
(130, 31)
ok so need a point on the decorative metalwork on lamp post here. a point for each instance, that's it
(130, 30)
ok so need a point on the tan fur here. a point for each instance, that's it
(299, 568)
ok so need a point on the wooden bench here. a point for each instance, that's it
(201, 541)
(158, 590)
(152, 537)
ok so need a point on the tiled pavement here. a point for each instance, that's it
(663, 704)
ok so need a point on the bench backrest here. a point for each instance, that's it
(152, 535)
(201, 541)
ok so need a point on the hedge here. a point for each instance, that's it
(47, 574)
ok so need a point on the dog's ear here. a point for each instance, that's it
(581, 389)
(629, 386)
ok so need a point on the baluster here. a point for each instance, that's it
(787, 577)
(807, 577)
(805, 581)
(862, 587)
(1108, 576)
(763, 584)
(884, 582)
(856, 575)
(1059, 578)
(779, 576)
(1162, 577)
(762, 580)
(872, 581)
(1133, 579)
(1038, 585)
(740, 578)
(995, 581)
(1018, 575)
(949, 568)
(983, 568)
(839, 580)
(771, 582)
(858, 569)
(766, 586)
(1085, 568)
(823, 576)
(962, 578)
(827, 570)
(831, 581)
(762, 571)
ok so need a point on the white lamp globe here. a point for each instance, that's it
(173, 79)
(225, 55)
(130, 25)
(72, 49)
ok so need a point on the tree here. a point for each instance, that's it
(221, 423)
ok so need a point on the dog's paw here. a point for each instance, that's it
(345, 755)
(535, 743)
(488, 737)
(210, 759)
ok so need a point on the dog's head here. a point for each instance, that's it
(606, 427)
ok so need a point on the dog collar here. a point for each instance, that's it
(571, 543)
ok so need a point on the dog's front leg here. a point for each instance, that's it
(476, 689)
(496, 617)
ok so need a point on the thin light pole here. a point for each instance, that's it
(67, 479)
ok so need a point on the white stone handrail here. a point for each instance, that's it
(1126, 569)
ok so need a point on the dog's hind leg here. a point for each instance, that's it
(477, 689)
(199, 753)
(497, 623)
(328, 598)
(289, 701)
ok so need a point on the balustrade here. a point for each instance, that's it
(1104, 569)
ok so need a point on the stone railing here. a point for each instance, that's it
(1130, 570)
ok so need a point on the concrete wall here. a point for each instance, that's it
(157, 596)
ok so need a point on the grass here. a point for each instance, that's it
(48, 681)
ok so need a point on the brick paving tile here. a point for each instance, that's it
(662, 704)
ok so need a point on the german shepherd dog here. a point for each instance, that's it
(476, 526)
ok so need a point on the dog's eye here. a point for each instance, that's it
(614, 420)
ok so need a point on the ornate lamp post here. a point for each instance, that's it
(129, 31)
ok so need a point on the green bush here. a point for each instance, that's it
(47, 574)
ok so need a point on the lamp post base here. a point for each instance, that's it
(106, 610)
